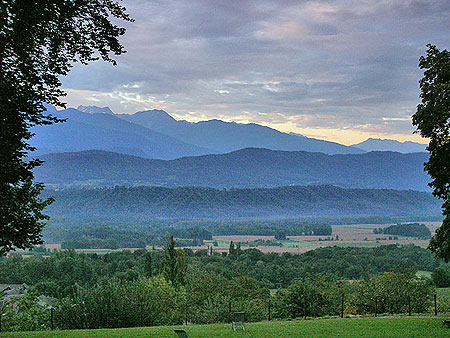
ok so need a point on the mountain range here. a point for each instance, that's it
(246, 168)
(225, 137)
(155, 134)
(93, 130)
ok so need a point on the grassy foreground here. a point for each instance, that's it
(365, 327)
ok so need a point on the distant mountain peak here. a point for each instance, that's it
(376, 144)
(49, 108)
(95, 110)
(156, 114)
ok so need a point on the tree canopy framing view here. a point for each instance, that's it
(432, 120)
(254, 196)
(39, 43)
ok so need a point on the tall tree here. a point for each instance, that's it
(148, 264)
(432, 120)
(175, 264)
(39, 42)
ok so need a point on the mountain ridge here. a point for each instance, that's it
(87, 131)
(245, 168)
(207, 203)
(225, 136)
(375, 144)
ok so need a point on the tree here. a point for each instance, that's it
(175, 264)
(148, 264)
(441, 277)
(39, 42)
(232, 249)
(432, 120)
(280, 235)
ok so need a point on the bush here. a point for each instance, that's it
(311, 297)
(391, 292)
(25, 314)
(113, 304)
(213, 299)
(441, 277)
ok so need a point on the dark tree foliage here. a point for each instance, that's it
(148, 265)
(432, 120)
(174, 264)
(39, 42)
(407, 229)
(60, 273)
(186, 203)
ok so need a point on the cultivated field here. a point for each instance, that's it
(364, 327)
(359, 235)
(355, 235)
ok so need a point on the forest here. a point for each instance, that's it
(145, 203)
(107, 234)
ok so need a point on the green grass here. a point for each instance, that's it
(364, 327)
(443, 292)
(302, 244)
(365, 244)
(422, 273)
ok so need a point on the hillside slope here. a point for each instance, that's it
(245, 168)
(196, 202)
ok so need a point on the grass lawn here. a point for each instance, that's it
(365, 244)
(365, 327)
(302, 244)
(443, 292)
(422, 273)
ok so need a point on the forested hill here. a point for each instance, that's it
(196, 202)
(246, 168)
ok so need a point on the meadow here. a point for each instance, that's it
(356, 327)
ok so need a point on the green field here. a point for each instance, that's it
(443, 292)
(426, 274)
(364, 327)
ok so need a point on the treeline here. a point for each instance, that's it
(113, 238)
(211, 298)
(106, 234)
(406, 229)
(59, 274)
(145, 203)
(289, 226)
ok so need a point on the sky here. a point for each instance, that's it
(339, 70)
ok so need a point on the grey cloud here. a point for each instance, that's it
(340, 63)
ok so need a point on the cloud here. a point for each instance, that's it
(309, 64)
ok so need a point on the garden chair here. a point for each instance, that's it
(181, 333)
(238, 320)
